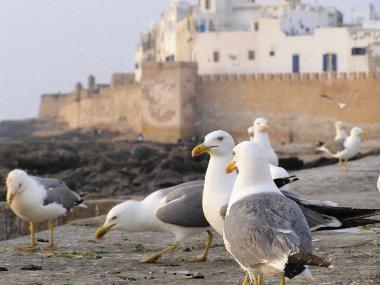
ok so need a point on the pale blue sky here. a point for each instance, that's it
(48, 45)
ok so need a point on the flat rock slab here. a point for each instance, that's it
(79, 259)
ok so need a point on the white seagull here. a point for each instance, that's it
(340, 104)
(345, 149)
(261, 137)
(176, 210)
(321, 215)
(264, 231)
(36, 199)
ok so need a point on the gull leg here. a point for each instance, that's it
(346, 168)
(247, 281)
(155, 257)
(203, 256)
(32, 239)
(282, 281)
(341, 165)
(32, 235)
(51, 229)
(260, 279)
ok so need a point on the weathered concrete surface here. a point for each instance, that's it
(114, 260)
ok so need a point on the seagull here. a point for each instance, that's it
(265, 232)
(36, 199)
(378, 184)
(176, 210)
(340, 131)
(345, 149)
(321, 215)
(261, 137)
(341, 105)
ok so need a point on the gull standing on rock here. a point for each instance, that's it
(176, 210)
(321, 215)
(345, 149)
(264, 231)
(36, 199)
(261, 137)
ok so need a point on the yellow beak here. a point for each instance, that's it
(231, 167)
(364, 134)
(264, 128)
(200, 149)
(101, 231)
(11, 198)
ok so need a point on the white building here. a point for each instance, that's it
(272, 36)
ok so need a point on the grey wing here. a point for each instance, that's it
(329, 97)
(58, 192)
(274, 222)
(183, 206)
(335, 146)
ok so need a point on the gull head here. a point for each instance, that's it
(261, 125)
(358, 132)
(117, 218)
(17, 182)
(218, 143)
(339, 125)
(249, 158)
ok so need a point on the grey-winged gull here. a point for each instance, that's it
(176, 210)
(36, 199)
(345, 149)
(264, 231)
(261, 137)
(321, 215)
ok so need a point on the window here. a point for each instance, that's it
(207, 4)
(296, 63)
(359, 51)
(251, 55)
(170, 58)
(330, 62)
(257, 26)
(216, 56)
(272, 53)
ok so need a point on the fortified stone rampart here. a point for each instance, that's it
(291, 102)
(173, 102)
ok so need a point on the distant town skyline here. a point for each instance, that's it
(48, 46)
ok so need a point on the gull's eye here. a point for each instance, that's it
(220, 139)
(113, 218)
(20, 185)
(233, 153)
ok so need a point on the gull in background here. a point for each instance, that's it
(340, 104)
(345, 149)
(259, 134)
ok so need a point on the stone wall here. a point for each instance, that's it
(173, 102)
(168, 92)
(50, 105)
(292, 103)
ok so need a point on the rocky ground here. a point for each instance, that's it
(106, 165)
(115, 260)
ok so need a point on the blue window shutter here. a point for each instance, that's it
(325, 62)
(335, 62)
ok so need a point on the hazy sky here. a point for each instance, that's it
(48, 45)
